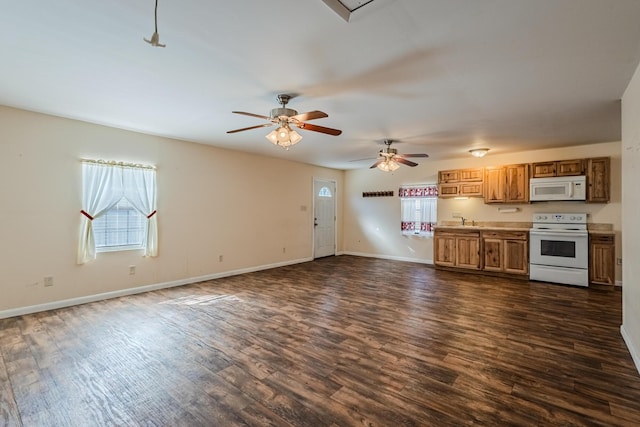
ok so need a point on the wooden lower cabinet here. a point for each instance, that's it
(492, 251)
(506, 251)
(457, 249)
(468, 252)
(602, 258)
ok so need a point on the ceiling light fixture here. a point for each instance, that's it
(155, 38)
(479, 152)
(284, 136)
(389, 165)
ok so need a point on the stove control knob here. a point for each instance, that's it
(573, 218)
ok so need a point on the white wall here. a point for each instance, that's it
(211, 202)
(372, 224)
(630, 216)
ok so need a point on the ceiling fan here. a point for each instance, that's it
(284, 117)
(389, 159)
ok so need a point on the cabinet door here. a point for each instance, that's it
(468, 252)
(516, 259)
(570, 167)
(598, 179)
(543, 169)
(448, 190)
(444, 250)
(493, 254)
(602, 260)
(448, 176)
(517, 187)
(494, 183)
(476, 174)
(470, 189)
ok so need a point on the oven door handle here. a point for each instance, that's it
(557, 233)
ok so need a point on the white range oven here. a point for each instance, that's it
(559, 248)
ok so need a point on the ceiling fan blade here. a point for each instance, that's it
(250, 127)
(321, 129)
(404, 161)
(376, 164)
(252, 115)
(311, 115)
(360, 160)
(414, 155)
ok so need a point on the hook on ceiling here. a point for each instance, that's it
(155, 38)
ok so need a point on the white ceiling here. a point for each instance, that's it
(440, 76)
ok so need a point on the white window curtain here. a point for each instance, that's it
(140, 190)
(418, 209)
(104, 184)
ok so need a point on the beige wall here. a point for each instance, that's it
(630, 214)
(211, 202)
(372, 224)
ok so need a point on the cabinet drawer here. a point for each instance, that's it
(457, 233)
(603, 239)
(505, 235)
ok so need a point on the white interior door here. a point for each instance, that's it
(324, 221)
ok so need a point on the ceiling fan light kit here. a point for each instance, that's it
(388, 166)
(479, 152)
(284, 136)
(389, 160)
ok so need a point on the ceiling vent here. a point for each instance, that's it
(344, 8)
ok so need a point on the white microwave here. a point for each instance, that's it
(558, 188)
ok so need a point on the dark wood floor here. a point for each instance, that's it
(341, 341)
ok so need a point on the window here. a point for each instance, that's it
(118, 209)
(121, 227)
(419, 208)
(324, 192)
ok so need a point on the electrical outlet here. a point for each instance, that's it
(132, 270)
(48, 281)
(220, 258)
(619, 261)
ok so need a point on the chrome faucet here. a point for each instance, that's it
(463, 219)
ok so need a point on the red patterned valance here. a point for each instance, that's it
(409, 227)
(418, 191)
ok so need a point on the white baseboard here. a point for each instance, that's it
(635, 354)
(138, 290)
(391, 257)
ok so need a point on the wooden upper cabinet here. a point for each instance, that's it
(461, 183)
(494, 183)
(557, 168)
(570, 167)
(507, 184)
(448, 176)
(543, 169)
(598, 171)
(475, 174)
(517, 185)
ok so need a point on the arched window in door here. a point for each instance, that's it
(324, 192)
